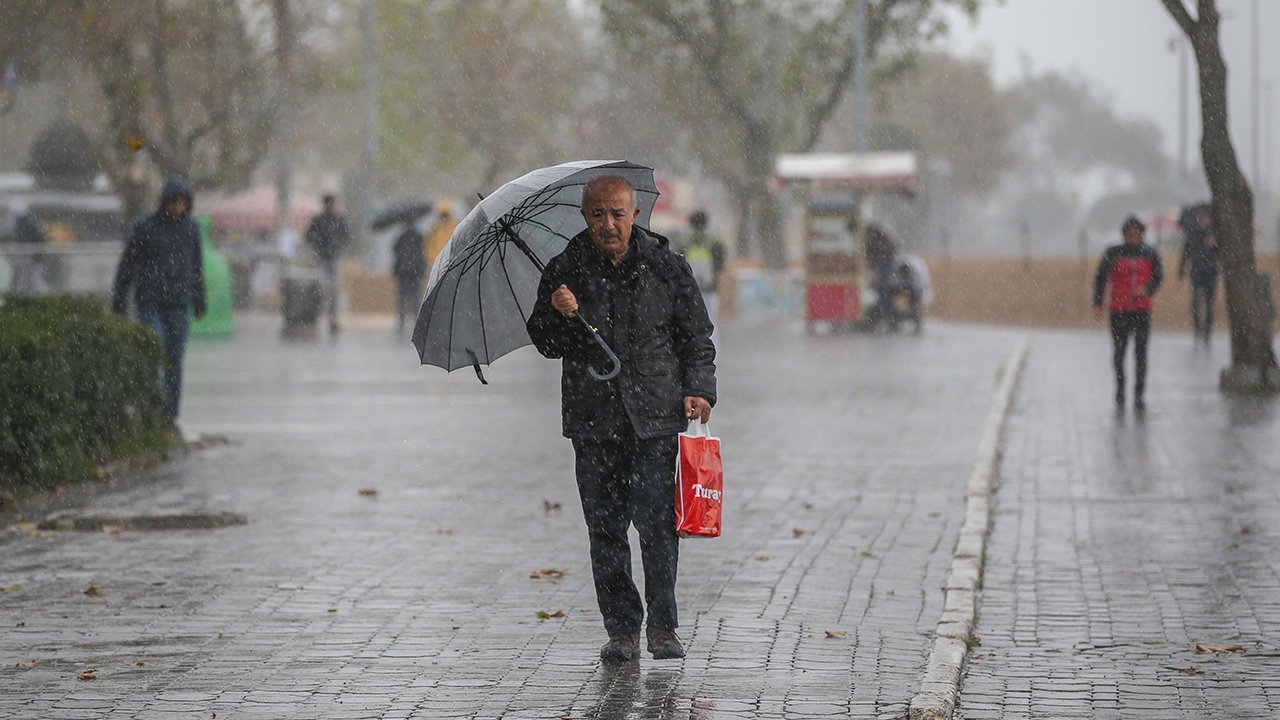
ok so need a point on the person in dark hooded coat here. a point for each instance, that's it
(646, 304)
(162, 268)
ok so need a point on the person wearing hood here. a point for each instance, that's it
(161, 269)
(1133, 272)
(645, 302)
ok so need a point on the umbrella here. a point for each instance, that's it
(484, 283)
(399, 213)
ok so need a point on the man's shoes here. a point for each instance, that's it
(664, 645)
(1120, 399)
(1139, 404)
(621, 648)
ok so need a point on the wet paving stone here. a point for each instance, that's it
(1120, 542)
(417, 601)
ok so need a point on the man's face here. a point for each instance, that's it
(177, 207)
(1133, 235)
(610, 211)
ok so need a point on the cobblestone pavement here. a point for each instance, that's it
(845, 458)
(1119, 544)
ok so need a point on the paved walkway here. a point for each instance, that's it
(1120, 543)
(846, 460)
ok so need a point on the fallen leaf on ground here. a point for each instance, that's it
(1244, 530)
(333, 610)
(808, 506)
(93, 591)
(799, 532)
(139, 663)
(762, 558)
(1218, 648)
(368, 492)
(444, 531)
(547, 574)
(27, 664)
(12, 588)
(1193, 671)
(549, 506)
(865, 553)
(833, 634)
(544, 615)
(113, 529)
(89, 674)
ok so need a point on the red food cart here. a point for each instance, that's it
(836, 184)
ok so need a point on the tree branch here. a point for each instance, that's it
(1181, 16)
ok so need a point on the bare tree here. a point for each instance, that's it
(769, 75)
(1253, 361)
(181, 83)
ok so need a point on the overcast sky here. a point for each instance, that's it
(1122, 47)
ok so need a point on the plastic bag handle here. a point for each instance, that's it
(697, 428)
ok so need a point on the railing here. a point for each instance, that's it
(45, 268)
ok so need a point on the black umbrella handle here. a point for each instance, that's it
(613, 358)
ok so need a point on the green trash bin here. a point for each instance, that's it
(218, 290)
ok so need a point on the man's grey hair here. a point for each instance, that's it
(608, 180)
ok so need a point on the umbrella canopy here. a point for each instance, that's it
(484, 282)
(399, 213)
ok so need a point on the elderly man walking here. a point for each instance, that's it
(647, 306)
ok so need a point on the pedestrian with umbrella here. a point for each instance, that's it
(624, 315)
(647, 306)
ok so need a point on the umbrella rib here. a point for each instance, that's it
(484, 335)
(512, 288)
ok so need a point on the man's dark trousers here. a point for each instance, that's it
(622, 481)
(1203, 287)
(1124, 324)
(171, 324)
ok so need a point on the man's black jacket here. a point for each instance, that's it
(650, 311)
(162, 258)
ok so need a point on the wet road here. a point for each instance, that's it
(846, 459)
(1120, 544)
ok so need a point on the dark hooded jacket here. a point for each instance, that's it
(162, 260)
(650, 311)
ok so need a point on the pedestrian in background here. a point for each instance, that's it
(1133, 273)
(328, 237)
(441, 232)
(408, 265)
(645, 302)
(28, 265)
(162, 267)
(706, 255)
(1200, 252)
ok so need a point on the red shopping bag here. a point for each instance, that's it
(699, 483)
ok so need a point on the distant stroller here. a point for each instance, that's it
(902, 296)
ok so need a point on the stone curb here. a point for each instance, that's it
(940, 685)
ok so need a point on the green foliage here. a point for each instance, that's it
(78, 387)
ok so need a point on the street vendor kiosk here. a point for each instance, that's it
(836, 186)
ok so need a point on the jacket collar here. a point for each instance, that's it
(645, 243)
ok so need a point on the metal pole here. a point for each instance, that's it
(1256, 104)
(369, 129)
(1184, 73)
(861, 115)
(861, 111)
(284, 116)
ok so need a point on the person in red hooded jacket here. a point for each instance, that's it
(1133, 272)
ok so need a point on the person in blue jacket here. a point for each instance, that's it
(162, 268)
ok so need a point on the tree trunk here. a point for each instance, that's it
(1252, 357)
